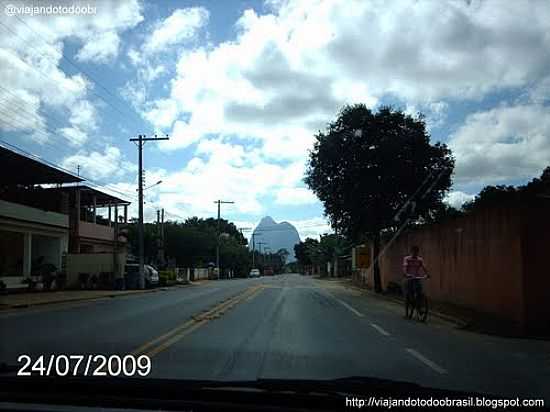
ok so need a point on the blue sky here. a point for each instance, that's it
(241, 86)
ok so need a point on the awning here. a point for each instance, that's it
(87, 194)
(20, 169)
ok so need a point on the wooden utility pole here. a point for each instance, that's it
(162, 250)
(219, 202)
(254, 246)
(140, 142)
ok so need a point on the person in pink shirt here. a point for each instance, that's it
(413, 269)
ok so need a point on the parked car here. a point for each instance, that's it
(131, 274)
(151, 276)
(268, 271)
(254, 273)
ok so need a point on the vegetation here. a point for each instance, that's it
(193, 243)
(503, 195)
(368, 164)
(312, 252)
(167, 277)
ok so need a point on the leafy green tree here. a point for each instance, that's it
(193, 243)
(302, 257)
(501, 195)
(368, 165)
(150, 235)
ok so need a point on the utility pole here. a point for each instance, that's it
(141, 140)
(219, 202)
(163, 252)
(260, 244)
(254, 246)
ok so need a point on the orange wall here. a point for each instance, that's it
(536, 259)
(474, 261)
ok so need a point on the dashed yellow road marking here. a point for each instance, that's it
(166, 340)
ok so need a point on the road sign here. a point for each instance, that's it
(362, 256)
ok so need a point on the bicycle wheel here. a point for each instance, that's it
(422, 308)
(409, 307)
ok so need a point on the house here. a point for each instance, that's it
(90, 232)
(34, 222)
(97, 244)
(48, 216)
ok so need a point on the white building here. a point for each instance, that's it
(34, 224)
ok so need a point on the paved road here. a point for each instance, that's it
(287, 326)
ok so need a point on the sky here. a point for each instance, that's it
(241, 87)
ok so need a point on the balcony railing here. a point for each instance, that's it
(96, 231)
(31, 214)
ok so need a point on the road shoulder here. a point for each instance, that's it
(39, 298)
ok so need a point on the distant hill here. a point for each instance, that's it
(277, 236)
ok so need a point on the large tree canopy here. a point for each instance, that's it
(193, 243)
(504, 195)
(368, 165)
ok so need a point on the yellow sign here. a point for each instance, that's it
(362, 257)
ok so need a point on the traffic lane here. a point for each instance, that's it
(111, 326)
(285, 332)
(471, 361)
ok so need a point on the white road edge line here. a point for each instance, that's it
(426, 361)
(350, 308)
(379, 329)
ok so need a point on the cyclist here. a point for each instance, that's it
(413, 268)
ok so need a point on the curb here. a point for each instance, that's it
(90, 298)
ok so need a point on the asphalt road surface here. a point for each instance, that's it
(287, 326)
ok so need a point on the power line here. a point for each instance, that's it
(47, 77)
(92, 182)
(88, 75)
(45, 161)
(40, 119)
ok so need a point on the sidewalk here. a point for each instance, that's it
(23, 300)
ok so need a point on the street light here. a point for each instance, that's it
(149, 187)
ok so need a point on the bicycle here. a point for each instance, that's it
(416, 301)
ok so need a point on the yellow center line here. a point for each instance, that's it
(253, 295)
(164, 341)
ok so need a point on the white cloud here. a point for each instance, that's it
(101, 33)
(287, 73)
(162, 113)
(221, 170)
(102, 50)
(312, 227)
(83, 115)
(74, 135)
(182, 25)
(19, 110)
(540, 92)
(295, 196)
(30, 60)
(109, 164)
(457, 198)
(183, 133)
(502, 144)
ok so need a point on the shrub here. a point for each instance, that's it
(167, 276)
